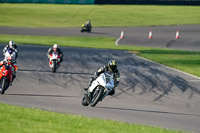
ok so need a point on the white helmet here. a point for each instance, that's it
(11, 44)
(55, 46)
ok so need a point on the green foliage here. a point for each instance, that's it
(55, 15)
(30, 120)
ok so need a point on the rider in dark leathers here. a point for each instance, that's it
(112, 67)
(87, 27)
(88, 24)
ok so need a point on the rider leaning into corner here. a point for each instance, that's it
(112, 67)
(9, 61)
(11, 45)
(55, 48)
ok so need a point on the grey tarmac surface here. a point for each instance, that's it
(148, 93)
(163, 36)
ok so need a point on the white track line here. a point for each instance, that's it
(197, 78)
(116, 42)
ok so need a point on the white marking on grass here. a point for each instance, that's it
(116, 42)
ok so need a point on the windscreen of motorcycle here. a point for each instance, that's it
(54, 55)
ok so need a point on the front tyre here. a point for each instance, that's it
(54, 66)
(96, 96)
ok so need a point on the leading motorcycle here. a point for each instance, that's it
(99, 89)
(86, 28)
(54, 61)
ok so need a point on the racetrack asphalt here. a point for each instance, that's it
(163, 36)
(148, 93)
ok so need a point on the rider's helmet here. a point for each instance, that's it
(112, 65)
(55, 47)
(11, 44)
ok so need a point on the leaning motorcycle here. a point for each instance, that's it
(99, 89)
(5, 77)
(85, 28)
(54, 61)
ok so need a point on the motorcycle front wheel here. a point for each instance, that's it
(4, 85)
(96, 96)
(54, 66)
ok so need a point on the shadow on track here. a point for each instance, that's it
(147, 111)
(150, 79)
(36, 95)
(169, 44)
(48, 71)
(98, 33)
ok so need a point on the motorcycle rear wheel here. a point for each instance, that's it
(84, 101)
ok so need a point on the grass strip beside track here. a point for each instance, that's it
(55, 15)
(23, 120)
(186, 61)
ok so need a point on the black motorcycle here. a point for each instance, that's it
(86, 28)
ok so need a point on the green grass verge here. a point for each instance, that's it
(186, 61)
(55, 15)
(183, 60)
(29, 120)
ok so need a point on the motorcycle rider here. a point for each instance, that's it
(88, 25)
(55, 48)
(112, 67)
(11, 45)
(9, 61)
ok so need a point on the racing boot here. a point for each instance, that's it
(12, 80)
(112, 92)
